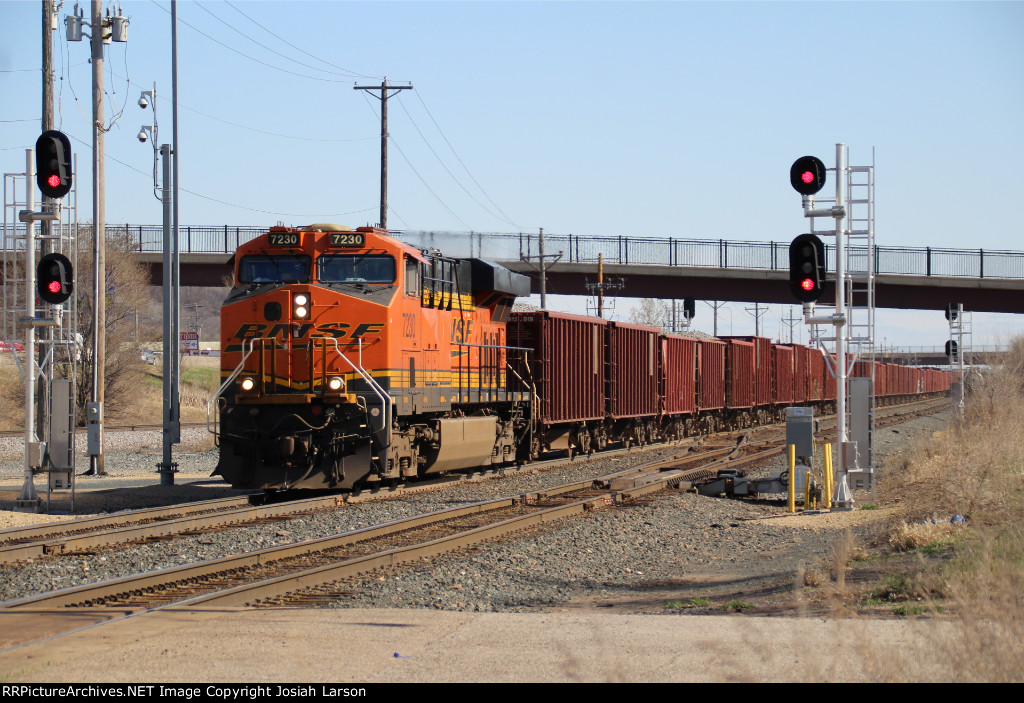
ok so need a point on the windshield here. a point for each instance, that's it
(355, 268)
(284, 268)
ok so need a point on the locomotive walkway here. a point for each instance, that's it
(926, 278)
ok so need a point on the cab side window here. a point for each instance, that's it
(412, 276)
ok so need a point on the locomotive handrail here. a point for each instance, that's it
(229, 381)
(385, 398)
(497, 346)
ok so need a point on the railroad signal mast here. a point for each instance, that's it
(959, 333)
(853, 213)
(49, 449)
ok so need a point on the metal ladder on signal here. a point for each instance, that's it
(960, 359)
(860, 296)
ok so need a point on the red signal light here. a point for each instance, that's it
(53, 164)
(807, 175)
(55, 278)
(806, 265)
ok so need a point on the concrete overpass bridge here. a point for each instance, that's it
(911, 278)
(704, 269)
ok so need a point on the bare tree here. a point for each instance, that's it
(127, 295)
(653, 312)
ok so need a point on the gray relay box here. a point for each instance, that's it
(800, 430)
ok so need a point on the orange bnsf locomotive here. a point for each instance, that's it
(349, 357)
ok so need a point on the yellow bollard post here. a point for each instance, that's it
(792, 478)
(828, 476)
(807, 490)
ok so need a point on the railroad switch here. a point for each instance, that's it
(734, 484)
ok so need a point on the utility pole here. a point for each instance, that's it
(42, 405)
(757, 312)
(99, 314)
(715, 305)
(383, 97)
(543, 266)
(602, 285)
(791, 322)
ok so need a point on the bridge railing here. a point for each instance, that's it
(719, 253)
(669, 251)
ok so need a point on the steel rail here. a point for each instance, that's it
(136, 584)
(165, 526)
(17, 544)
(648, 478)
(59, 538)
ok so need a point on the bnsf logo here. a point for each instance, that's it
(337, 330)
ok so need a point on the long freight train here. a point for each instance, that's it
(349, 358)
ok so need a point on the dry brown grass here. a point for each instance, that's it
(975, 469)
(141, 402)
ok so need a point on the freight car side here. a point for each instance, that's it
(566, 364)
(633, 389)
(740, 370)
(677, 370)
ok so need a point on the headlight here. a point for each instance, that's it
(336, 383)
(248, 383)
(300, 305)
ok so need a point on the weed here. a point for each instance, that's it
(683, 605)
(736, 606)
(897, 587)
(869, 506)
(936, 547)
(915, 609)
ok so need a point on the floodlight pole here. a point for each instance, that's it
(99, 313)
(171, 417)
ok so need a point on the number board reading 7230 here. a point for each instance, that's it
(283, 239)
(347, 239)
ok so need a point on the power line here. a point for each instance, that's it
(347, 74)
(425, 185)
(445, 167)
(459, 159)
(422, 180)
(163, 97)
(224, 202)
(297, 48)
(251, 58)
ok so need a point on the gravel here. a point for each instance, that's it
(680, 539)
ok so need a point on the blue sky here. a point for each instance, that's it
(646, 118)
